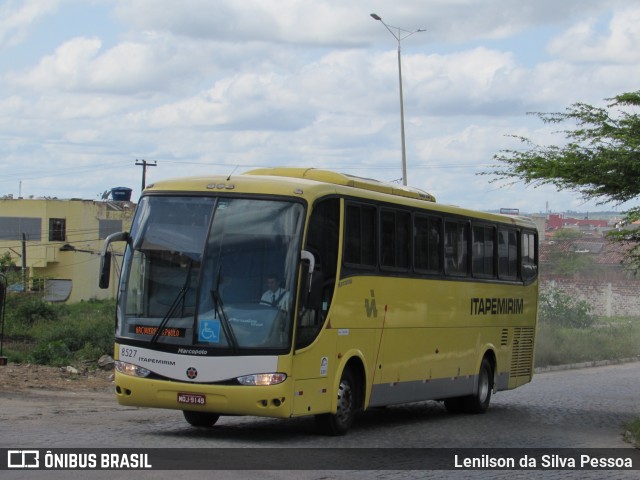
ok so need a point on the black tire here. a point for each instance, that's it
(200, 419)
(478, 402)
(340, 422)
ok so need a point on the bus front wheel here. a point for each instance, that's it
(340, 422)
(200, 419)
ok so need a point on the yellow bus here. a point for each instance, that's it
(290, 292)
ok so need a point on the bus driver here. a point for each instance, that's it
(275, 294)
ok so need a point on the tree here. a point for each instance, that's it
(557, 308)
(600, 158)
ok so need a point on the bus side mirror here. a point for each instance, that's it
(105, 257)
(105, 270)
(312, 284)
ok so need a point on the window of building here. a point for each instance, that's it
(57, 229)
(107, 227)
(12, 228)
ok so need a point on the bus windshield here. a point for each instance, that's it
(211, 272)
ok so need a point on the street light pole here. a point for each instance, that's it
(401, 35)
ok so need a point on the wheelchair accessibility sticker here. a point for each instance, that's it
(209, 331)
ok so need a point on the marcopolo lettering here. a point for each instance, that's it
(497, 306)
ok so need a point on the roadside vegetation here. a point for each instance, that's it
(633, 433)
(57, 334)
(569, 333)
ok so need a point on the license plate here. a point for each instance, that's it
(192, 398)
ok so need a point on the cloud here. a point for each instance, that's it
(154, 63)
(334, 23)
(246, 101)
(18, 17)
(590, 42)
(322, 22)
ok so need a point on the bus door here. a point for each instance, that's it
(314, 362)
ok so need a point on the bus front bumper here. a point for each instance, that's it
(267, 401)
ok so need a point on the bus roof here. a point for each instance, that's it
(277, 180)
(327, 176)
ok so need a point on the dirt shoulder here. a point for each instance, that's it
(16, 377)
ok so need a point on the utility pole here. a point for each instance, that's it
(144, 164)
(401, 35)
(24, 262)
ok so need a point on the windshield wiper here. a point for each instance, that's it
(174, 306)
(219, 308)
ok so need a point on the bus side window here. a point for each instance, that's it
(456, 248)
(427, 244)
(529, 257)
(483, 251)
(322, 242)
(361, 234)
(507, 254)
(395, 239)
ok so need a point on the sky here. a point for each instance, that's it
(89, 88)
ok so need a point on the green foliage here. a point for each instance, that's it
(6, 263)
(561, 345)
(53, 353)
(8, 269)
(559, 309)
(569, 263)
(634, 432)
(59, 334)
(567, 234)
(34, 309)
(631, 236)
(600, 157)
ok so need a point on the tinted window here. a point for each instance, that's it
(455, 247)
(427, 241)
(360, 235)
(529, 257)
(483, 251)
(395, 239)
(508, 254)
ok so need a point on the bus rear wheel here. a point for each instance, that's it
(478, 402)
(200, 419)
(340, 422)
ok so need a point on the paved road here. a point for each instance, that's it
(584, 408)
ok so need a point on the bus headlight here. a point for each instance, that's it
(262, 379)
(131, 369)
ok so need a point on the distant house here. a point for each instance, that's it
(61, 241)
(557, 221)
(606, 256)
(588, 266)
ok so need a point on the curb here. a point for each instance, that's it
(593, 363)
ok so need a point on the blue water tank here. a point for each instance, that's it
(121, 194)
